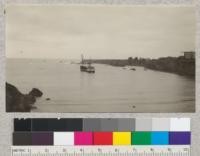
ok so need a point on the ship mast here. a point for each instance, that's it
(82, 59)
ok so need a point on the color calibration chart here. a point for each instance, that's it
(106, 137)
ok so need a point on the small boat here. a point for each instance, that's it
(133, 69)
(129, 68)
(86, 67)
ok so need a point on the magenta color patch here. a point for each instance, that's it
(83, 138)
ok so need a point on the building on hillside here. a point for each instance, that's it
(189, 55)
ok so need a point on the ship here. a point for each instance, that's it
(86, 66)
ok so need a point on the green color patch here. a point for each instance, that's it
(141, 138)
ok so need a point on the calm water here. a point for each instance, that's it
(110, 89)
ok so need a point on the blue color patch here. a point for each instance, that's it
(159, 138)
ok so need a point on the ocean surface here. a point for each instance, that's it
(110, 89)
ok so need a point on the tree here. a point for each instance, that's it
(130, 60)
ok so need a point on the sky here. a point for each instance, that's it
(98, 31)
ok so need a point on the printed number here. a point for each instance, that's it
(151, 149)
(99, 150)
(185, 149)
(169, 149)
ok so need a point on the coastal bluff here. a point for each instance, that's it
(182, 65)
(18, 102)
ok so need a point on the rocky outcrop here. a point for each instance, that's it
(18, 102)
(35, 92)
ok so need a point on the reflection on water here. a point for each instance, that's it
(110, 89)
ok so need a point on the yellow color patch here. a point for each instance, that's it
(121, 138)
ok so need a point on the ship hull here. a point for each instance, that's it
(88, 69)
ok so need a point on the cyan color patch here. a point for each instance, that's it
(159, 138)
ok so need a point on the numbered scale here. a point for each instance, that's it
(168, 150)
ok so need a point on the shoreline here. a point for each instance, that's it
(176, 65)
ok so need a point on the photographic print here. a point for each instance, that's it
(100, 58)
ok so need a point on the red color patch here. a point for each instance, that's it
(103, 138)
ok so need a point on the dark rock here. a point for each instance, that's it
(33, 107)
(48, 99)
(18, 102)
(35, 92)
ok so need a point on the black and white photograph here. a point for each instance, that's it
(100, 58)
